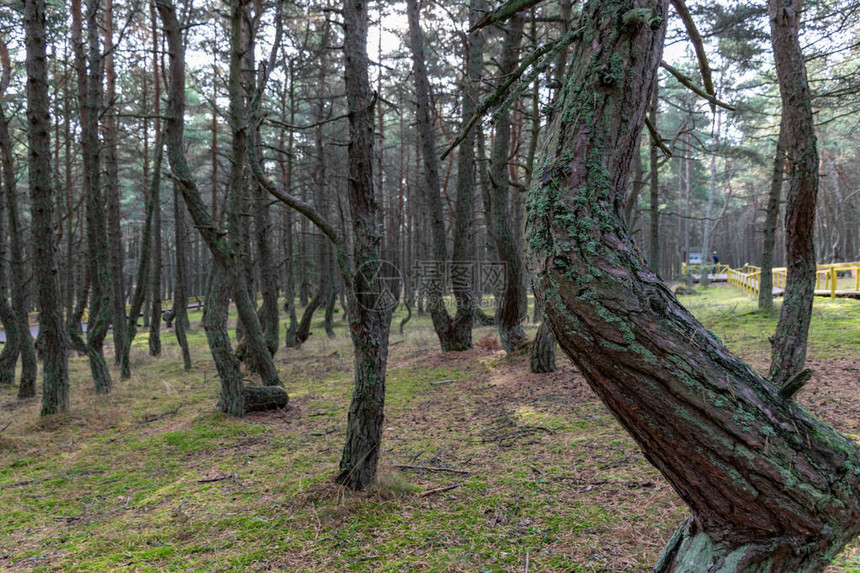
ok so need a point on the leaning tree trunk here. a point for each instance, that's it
(223, 251)
(434, 271)
(765, 293)
(55, 369)
(770, 487)
(789, 341)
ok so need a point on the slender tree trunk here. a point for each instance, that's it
(18, 270)
(770, 487)
(707, 229)
(508, 306)
(789, 341)
(370, 319)
(462, 268)
(55, 372)
(141, 284)
(12, 346)
(432, 271)
(155, 267)
(112, 192)
(180, 288)
(654, 210)
(765, 293)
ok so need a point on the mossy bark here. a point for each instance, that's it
(370, 311)
(789, 340)
(770, 487)
(222, 248)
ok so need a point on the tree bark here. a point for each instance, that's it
(443, 324)
(180, 288)
(770, 487)
(155, 264)
(789, 342)
(112, 192)
(55, 371)
(509, 316)
(765, 293)
(370, 312)
(223, 252)
(18, 271)
(542, 356)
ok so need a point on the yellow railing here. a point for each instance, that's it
(748, 278)
(718, 269)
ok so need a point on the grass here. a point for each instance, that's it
(154, 478)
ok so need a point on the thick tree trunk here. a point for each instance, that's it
(370, 318)
(770, 487)
(509, 316)
(765, 293)
(261, 398)
(232, 399)
(55, 372)
(789, 341)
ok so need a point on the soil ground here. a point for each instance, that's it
(485, 466)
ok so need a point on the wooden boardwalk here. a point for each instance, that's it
(833, 277)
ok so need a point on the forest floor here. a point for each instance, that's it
(541, 477)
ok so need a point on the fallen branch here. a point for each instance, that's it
(430, 492)
(153, 417)
(431, 469)
(214, 479)
(442, 382)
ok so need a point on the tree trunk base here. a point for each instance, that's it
(691, 550)
(262, 398)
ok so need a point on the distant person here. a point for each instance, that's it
(716, 258)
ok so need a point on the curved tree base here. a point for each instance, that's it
(262, 398)
(691, 551)
(542, 356)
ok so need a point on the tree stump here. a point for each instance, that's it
(262, 398)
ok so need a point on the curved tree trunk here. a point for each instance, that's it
(222, 249)
(542, 356)
(789, 341)
(770, 487)
(432, 271)
(180, 288)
